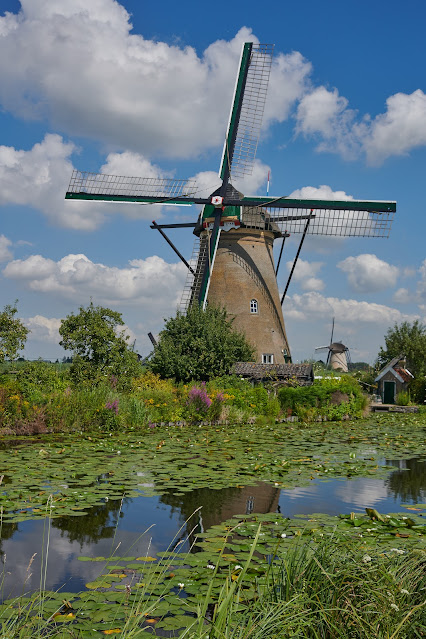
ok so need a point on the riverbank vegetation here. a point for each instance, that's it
(257, 577)
(38, 397)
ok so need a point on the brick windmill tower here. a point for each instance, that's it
(232, 263)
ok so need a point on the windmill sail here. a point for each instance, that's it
(99, 186)
(245, 120)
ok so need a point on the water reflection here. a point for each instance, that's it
(118, 527)
(408, 483)
(219, 505)
(100, 523)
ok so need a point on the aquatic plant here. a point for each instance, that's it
(254, 577)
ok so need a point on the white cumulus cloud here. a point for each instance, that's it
(5, 253)
(83, 69)
(368, 274)
(306, 274)
(151, 282)
(42, 328)
(313, 305)
(39, 178)
(326, 116)
(400, 129)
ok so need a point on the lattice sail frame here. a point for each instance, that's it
(340, 223)
(83, 182)
(252, 109)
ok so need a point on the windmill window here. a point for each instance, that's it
(254, 308)
(267, 358)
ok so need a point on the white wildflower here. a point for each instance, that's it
(238, 567)
(283, 535)
(366, 559)
(210, 566)
(394, 606)
(404, 592)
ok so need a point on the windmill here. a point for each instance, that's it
(338, 356)
(232, 264)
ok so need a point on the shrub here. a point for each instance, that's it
(199, 345)
(201, 406)
(330, 398)
(38, 380)
(403, 398)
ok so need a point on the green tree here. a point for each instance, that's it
(409, 340)
(99, 348)
(13, 334)
(199, 345)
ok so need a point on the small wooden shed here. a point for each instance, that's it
(282, 374)
(393, 379)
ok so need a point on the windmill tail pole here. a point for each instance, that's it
(297, 257)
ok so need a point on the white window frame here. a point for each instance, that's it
(267, 358)
(254, 307)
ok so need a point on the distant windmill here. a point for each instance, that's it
(338, 356)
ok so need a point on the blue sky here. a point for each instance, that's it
(136, 88)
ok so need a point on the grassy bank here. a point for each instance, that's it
(38, 397)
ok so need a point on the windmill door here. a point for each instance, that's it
(389, 392)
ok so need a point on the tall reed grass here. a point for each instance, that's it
(329, 591)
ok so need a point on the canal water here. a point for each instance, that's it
(47, 551)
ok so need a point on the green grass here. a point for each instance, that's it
(309, 592)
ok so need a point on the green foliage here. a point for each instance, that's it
(403, 398)
(199, 345)
(408, 340)
(100, 351)
(418, 389)
(13, 334)
(330, 398)
(38, 380)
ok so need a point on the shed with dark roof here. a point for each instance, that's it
(283, 374)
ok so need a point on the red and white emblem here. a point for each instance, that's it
(217, 201)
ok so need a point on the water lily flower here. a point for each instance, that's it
(211, 566)
(181, 585)
(283, 535)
